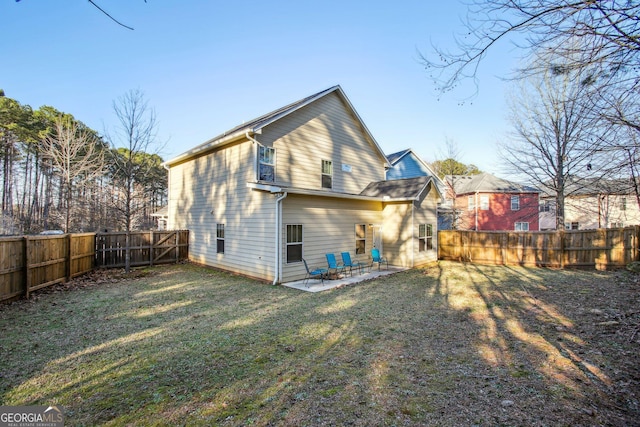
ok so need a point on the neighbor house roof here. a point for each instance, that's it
(255, 126)
(577, 186)
(486, 183)
(399, 189)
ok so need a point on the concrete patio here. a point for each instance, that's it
(316, 285)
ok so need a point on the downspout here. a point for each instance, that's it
(476, 211)
(278, 249)
(279, 199)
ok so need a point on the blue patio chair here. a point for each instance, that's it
(346, 261)
(333, 264)
(315, 273)
(377, 258)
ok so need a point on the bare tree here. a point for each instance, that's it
(135, 136)
(608, 32)
(556, 137)
(449, 169)
(75, 154)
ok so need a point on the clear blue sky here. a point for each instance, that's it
(207, 66)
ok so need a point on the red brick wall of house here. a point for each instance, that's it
(499, 216)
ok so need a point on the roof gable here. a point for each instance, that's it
(402, 189)
(256, 125)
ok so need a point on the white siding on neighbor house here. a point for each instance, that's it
(328, 227)
(212, 189)
(591, 212)
(323, 130)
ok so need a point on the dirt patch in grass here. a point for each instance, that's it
(455, 344)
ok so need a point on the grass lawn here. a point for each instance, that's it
(451, 345)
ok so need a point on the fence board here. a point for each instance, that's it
(601, 249)
(28, 263)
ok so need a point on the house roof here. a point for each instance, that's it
(163, 211)
(576, 186)
(255, 126)
(395, 157)
(486, 183)
(398, 189)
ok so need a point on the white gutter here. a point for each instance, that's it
(278, 227)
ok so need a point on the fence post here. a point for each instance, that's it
(27, 278)
(151, 248)
(561, 232)
(67, 272)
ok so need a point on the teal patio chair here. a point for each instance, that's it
(346, 261)
(333, 264)
(377, 258)
(314, 273)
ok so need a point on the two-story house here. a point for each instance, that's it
(485, 202)
(592, 203)
(299, 182)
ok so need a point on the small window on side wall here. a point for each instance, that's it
(521, 226)
(327, 174)
(361, 235)
(294, 243)
(220, 238)
(425, 237)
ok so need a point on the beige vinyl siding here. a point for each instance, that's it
(210, 190)
(328, 226)
(396, 234)
(401, 226)
(424, 212)
(323, 130)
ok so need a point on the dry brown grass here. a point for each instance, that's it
(455, 344)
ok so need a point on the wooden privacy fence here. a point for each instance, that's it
(145, 248)
(28, 263)
(601, 249)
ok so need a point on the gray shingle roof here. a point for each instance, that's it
(397, 189)
(486, 183)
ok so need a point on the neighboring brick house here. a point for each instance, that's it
(485, 202)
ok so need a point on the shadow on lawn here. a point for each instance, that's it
(449, 345)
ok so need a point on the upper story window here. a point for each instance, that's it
(266, 164)
(515, 203)
(484, 203)
(471, 201)
(623, 204)
(327, 174)
(545, 206)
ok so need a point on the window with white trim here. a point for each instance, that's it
(266, 164)
(425, 237)
(361, 234)
(294, 243)
(484, 202)
(471, 202)
(521, 226)
(572, 225)
(220, 238)
(623, 204)
(327, 174)
(515, 203)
